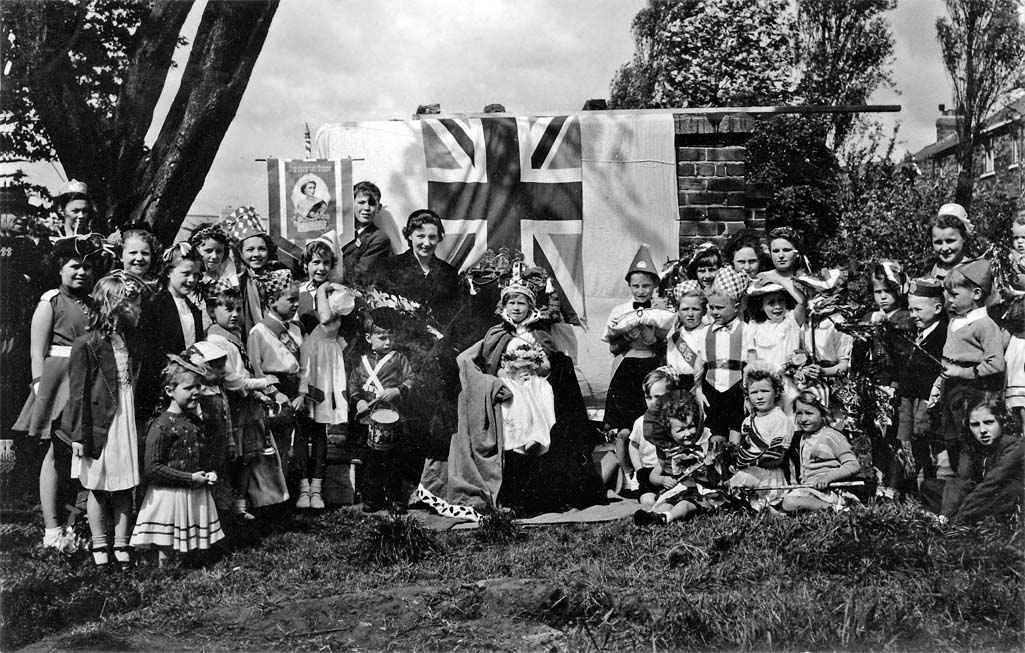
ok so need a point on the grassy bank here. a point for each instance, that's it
(881, 578)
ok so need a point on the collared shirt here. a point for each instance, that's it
(924, 333)
(187, 321)
(719, 375)
(961, 321)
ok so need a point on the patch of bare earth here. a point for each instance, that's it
(503, 614)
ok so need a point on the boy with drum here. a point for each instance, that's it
(376, 386)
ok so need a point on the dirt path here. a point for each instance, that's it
(503, 614)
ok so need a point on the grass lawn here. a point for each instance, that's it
(879, 578)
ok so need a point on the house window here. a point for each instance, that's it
(988, 167)
(1016, 148)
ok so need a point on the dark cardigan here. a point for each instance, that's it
(93, 399)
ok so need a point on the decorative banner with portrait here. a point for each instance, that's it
(310, 199)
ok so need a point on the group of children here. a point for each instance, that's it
(179, 385)
(184, 385)
(730, 389)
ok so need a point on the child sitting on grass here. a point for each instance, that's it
(685, 457)
(764, 438)
(643, 455)
(824, 456)
(996, 486)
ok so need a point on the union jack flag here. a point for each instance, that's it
(513, 181)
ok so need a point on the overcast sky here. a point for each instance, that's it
(332, 60)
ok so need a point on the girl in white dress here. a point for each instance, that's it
(104, 438)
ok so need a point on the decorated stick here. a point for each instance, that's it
(806, 485)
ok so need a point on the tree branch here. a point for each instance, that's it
(149, 61)
(229, 41)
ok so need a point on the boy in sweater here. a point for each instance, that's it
(973, 355)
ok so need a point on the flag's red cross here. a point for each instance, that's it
(513, 182)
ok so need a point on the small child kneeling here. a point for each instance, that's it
(825, 458)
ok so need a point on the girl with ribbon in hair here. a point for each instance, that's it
(786, 251)
(888, 350)
(322, 307)
(62, 315)
(218, 269)
(178, 512)
(824, 457)
(102, 413)
(141, 258)
(171, 321)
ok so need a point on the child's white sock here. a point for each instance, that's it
(100, 550)
(667, 516)
(51, 537)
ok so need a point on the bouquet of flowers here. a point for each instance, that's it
(796, 367)
(525, 359)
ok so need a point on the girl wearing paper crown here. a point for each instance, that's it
(257, 253)
(636, 332)
(888, 350)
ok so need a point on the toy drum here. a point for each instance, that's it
(384, 429)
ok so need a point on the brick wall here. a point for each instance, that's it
(711, 165)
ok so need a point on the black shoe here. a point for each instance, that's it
(645, 518)
(372, 506)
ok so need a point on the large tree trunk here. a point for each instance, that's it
(230, 38)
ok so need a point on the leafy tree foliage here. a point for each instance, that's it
(983, 46)
(82, 80)
(842, 50)
(694, 53)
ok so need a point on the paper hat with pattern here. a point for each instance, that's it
(894, 273)
(730, 283)
(272, 282)
(243, 223)
(643, 263)
(977, 271)
(926, 287)
(73, 186)
(207, 351)
(684, 287)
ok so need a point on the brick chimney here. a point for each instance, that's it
(946, 124)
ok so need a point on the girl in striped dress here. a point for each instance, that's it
(764, 439)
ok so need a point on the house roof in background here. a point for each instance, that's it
(1012, 111)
